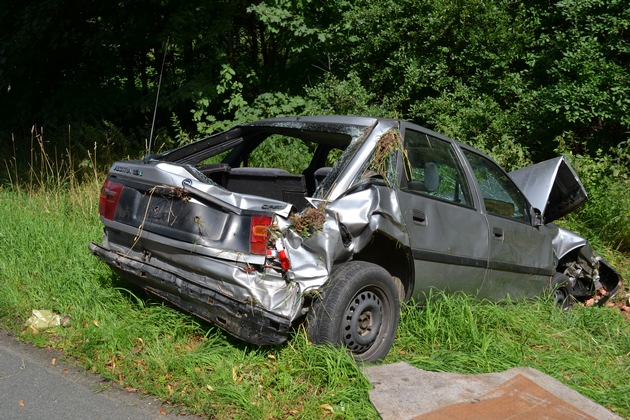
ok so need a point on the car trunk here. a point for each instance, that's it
(180, 236)
(157, 202)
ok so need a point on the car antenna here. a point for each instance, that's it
(157, 98)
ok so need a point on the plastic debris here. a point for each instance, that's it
(43, 318)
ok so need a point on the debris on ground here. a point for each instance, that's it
(41, 319)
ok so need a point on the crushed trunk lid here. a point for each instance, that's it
(552, 187)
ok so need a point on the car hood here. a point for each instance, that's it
(552, 187)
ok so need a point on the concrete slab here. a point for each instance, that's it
(402, 391)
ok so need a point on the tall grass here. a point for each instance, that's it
(588, 349)
(48, 218)
(142, 344)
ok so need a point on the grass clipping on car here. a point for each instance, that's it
(382, 164)
(383, 161)
(308, 222)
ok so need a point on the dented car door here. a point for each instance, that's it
(449, 237)
(521, 257)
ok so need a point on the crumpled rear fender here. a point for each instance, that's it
(350, 223)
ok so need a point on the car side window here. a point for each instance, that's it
(432, 169)
(500, 195)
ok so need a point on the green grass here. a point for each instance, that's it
(142, 344)
(586, 348)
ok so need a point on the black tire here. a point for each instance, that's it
(562, 292)
(357, 308)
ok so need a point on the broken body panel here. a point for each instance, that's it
(194, 233)
(554, 188)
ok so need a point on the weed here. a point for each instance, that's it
(381, 162)
(308, 222)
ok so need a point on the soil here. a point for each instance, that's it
(621, 302)
(520, 398)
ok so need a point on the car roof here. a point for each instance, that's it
(361, 121)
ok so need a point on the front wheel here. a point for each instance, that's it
(357, 308)
(562, 291)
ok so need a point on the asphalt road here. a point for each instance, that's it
(32, 387)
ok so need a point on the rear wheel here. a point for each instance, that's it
(359, 309)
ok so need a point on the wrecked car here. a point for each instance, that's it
(384, 211)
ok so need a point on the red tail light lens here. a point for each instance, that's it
(110, 193)
(259, 234)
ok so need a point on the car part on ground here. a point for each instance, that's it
(382, 211)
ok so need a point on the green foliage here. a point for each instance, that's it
(580, 60)
(508, 76)
(331, 96)
(286, 153)
(346, 96)
(526, 72)
(236, 110)
(292, 20)
(65, 157)
(464, 114)
(606, 216)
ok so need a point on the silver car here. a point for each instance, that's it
(384, 211)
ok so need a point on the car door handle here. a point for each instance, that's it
(497, 233)
(419, 218)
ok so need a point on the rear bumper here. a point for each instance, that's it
(242, 320)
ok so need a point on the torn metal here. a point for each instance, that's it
(552, 187)
(249, 249)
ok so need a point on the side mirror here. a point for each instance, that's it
(537, 218)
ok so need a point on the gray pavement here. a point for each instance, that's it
(31, 387)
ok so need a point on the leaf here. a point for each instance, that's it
(327, 407)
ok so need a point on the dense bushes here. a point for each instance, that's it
(606, 216)
(521, 80)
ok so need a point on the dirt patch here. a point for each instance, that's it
(622, 303)
(518, 398)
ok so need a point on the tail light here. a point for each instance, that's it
(110, 193)
(259, 234)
